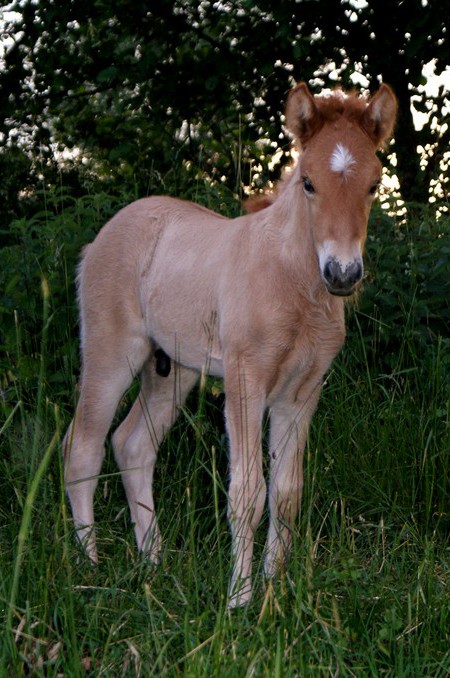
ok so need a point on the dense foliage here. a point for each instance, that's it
(406, 299)
(151, 95)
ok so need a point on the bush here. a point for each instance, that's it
(405, 303)
(46, 246)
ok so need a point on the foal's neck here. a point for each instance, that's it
(291, 217)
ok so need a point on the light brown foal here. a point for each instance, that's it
(257, 300)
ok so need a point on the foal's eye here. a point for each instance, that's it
(374, 187)
(307, 185)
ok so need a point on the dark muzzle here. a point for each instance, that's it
(342, 282)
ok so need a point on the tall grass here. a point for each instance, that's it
(367, 590)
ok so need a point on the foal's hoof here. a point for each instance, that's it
(152, 563)
(150, 560)
(240, 597)
(88, 543)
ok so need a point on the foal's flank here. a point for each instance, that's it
(169, 290)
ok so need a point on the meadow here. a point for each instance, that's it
(367, 589)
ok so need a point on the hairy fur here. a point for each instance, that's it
(170, 290)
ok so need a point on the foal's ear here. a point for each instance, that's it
(379, 116)
(302, 115)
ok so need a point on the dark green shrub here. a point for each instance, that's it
(405, 303)
(46, 246)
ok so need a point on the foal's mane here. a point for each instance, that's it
(259, 201)
(349, 105)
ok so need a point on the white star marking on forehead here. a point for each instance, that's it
(342, 160)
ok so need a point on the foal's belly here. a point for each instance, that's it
(192, 355)
(188, 339)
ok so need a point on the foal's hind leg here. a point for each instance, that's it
(136, 443)
(108, 370)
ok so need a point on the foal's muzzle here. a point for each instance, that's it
(342, 281)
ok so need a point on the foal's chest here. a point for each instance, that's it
(303, 364)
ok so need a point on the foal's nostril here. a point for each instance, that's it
(332, 272)
(354, 273)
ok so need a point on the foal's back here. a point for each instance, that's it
(135, 276)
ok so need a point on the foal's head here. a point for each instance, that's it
(340, 172)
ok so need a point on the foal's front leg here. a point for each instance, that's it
(244, 409)
(288, 431)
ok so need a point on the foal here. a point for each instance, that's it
(257, 300)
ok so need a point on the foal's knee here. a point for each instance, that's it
(287, 488)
